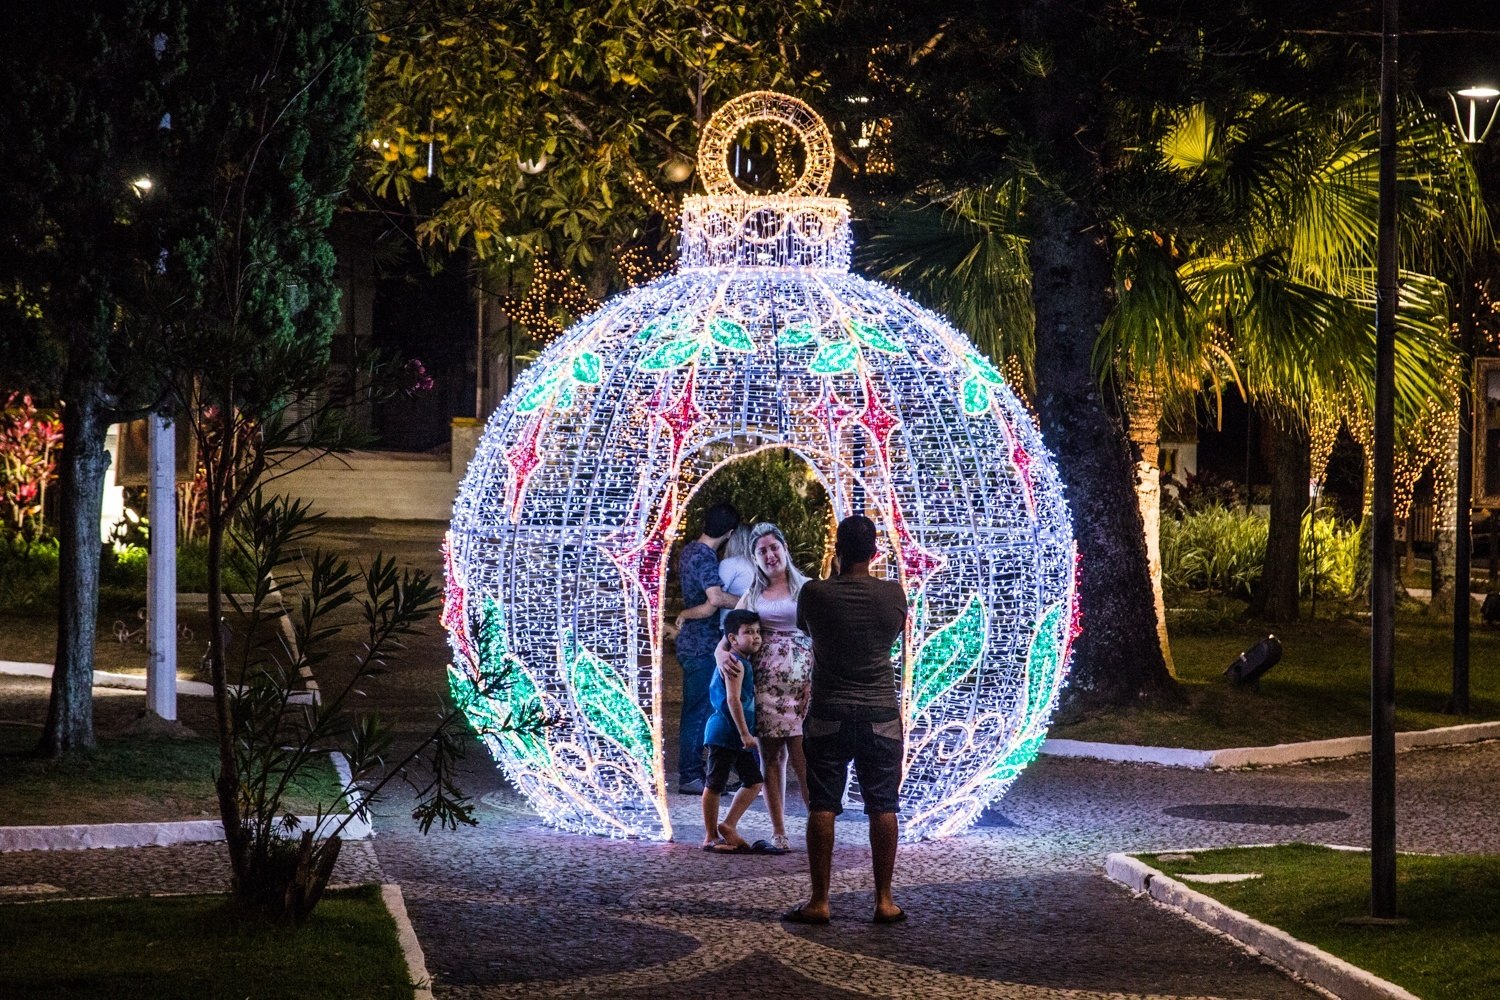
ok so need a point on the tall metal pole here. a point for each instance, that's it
(1383, 583)
(1458, 702)
(161, 568)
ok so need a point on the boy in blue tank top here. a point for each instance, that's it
(729, 736)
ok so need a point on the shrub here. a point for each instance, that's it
(771, 485)
(1338, 552)
(1214, 549)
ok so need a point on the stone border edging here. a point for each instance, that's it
(1329, 972)
(406, 936)
(86, 836)
(1269, 756)
(104, 678)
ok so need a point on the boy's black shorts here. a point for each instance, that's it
(721, 759)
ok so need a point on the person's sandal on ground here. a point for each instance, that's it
(799, 915)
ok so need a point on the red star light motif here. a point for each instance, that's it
(879, 420)
(681, 416)
(831, 412)
(1022, 461)
(644, 563)
(453, 606)
(917, 564)
(522, 458)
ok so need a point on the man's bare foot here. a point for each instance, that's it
(731, 836)
(709, 843)
(889, 913)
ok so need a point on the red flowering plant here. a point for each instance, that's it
(29, 439)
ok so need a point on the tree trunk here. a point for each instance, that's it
(217, 459)
(1276, 598)
(1118, 658)
(1445, 536)
(81, 468)
(1145, 435)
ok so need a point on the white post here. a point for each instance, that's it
(161, 571)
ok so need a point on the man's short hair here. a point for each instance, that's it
(720, 520)
(738, 619)
(855, 541)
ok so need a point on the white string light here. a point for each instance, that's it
(762, 338)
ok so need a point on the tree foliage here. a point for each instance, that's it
(82, 120)
(557, 130)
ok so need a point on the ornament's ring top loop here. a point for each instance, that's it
(766, 106)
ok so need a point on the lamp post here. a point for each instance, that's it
(161, 565)
(1382, 586)
(1474, 110)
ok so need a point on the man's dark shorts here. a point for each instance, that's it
(722, 759)
(875, 749)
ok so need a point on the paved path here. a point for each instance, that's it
(1018, 908)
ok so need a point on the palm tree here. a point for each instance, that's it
(1268, 285)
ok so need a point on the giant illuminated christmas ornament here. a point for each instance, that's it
(557, 555)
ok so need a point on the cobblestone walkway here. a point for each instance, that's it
(1018, 908)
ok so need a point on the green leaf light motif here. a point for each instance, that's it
(796, 335)
(874, 337)
(541, 392)
(980, 366)
(672, 354)
(1044, 658)
(976, 396)
(835, 358)
(587, 368)
(948, 655)
(1014, 762)
(606, 703)
(489, 716)
(730, 335)
(505, 693)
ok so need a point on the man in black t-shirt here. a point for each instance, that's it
(854, 620)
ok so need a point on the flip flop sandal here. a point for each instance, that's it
(766, 847)
(712, 845)
(894, 918)
(796, 915)
(723, 848)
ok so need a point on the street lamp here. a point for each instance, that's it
(1471, 106)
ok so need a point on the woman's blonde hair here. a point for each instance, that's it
(795, 578)
(739, 543)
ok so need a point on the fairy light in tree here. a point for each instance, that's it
(557, 554)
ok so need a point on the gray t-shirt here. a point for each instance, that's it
(854, 621)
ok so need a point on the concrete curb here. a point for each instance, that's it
(131, 682)
(411, 948)
(105, 678)
(1329, 972)
(86, 836)
(1269, 756)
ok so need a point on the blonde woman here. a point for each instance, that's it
(783, 670)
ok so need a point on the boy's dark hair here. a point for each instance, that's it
(738, 619)
(855, 541)
(720, 520)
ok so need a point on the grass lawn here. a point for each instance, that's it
(188, 947)
(31, 637)
(1448, 949)
(126, 779)
(1320, 688)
